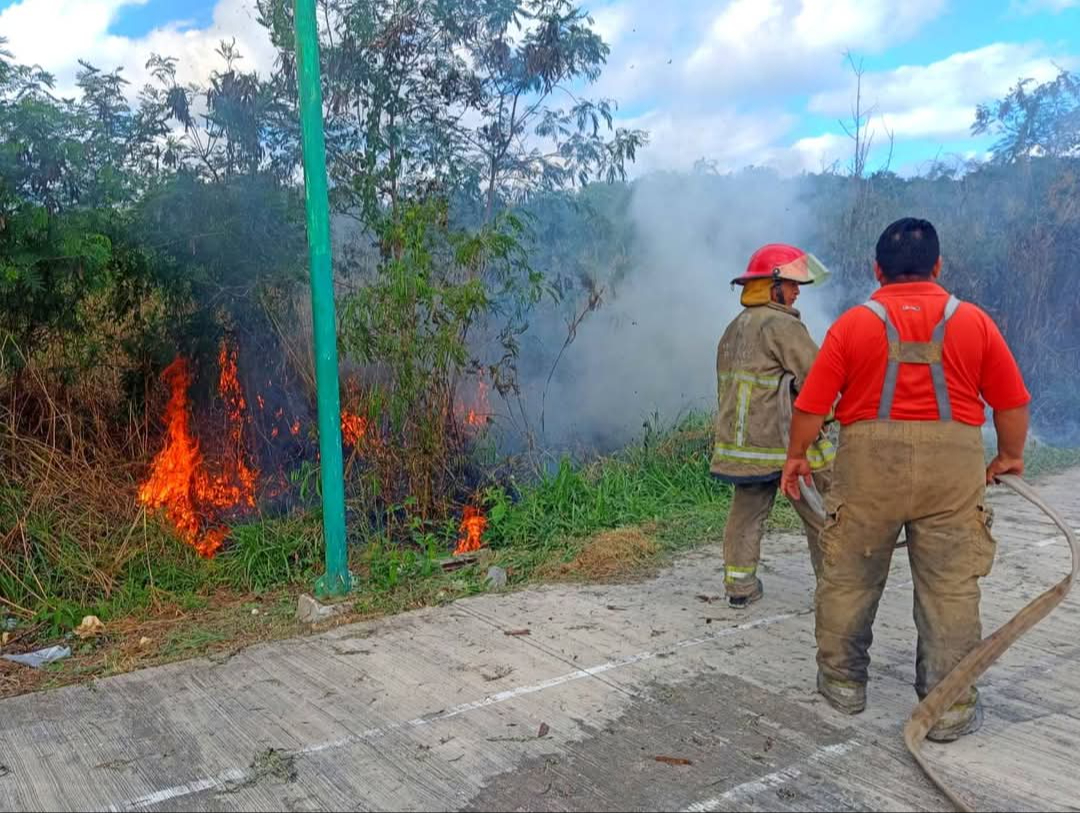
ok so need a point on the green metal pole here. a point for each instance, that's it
(336, 581)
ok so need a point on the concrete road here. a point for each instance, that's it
(443, 710)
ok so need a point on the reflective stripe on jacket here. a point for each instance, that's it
(760, 346)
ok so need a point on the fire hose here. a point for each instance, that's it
(965, 673)
(957, 683)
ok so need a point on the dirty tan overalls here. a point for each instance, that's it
(928, 478)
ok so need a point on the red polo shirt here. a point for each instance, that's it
(979, 367)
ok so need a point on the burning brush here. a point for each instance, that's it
(180, 482)
(473, 525)
(474, 411)
(198, 495)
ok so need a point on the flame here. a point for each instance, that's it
(477, 413)
(233, 394)
(353, 428)
(295, 428)
(172, 474)
(473, 524)
(179, 481)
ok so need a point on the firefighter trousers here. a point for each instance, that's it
(927, 478)
(750, 507)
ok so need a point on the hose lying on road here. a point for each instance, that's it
(964, 674)
(956, 684)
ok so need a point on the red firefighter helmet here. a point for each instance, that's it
(779, 261)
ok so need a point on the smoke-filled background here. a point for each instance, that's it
(663, 250)
(649, 351)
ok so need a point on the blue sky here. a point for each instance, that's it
(139, 20)
(737, 81)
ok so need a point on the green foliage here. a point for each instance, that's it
(269, 554)
(390, 565)
(654, 480)
(99, 203)
(445, 96)
(64, 578)
(247, 126)
(412, 323)
(1039, 121)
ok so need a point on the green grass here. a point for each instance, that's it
(125, 570)
(662, 478)
(121, 574)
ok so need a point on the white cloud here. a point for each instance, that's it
(749, 56)
(677, 140)
(938, 100)
(611, 23)
(719, 78)
(813, 154)
(84, 34)
(755, 46)
(866, 25)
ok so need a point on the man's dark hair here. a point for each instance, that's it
(908, 248)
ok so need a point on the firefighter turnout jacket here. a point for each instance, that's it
(760, 346)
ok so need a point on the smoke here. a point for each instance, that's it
(649, 351)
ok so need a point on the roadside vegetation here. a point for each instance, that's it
(614, 519)
(472, 195)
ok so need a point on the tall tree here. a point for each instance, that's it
(1034, 120)
(459, 95)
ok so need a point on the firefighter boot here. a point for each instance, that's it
(740, 592)
(845, 696)
(962, 718)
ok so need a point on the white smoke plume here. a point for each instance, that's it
(650, 349)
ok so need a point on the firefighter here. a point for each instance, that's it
(765, 347)
(914, 368)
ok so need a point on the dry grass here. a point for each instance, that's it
(613, 555)
(90, 501)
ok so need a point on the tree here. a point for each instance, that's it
(431, 103)
(859, 129)
(451, 95)
(517, 83)
(246, 127)
(61, 161)
(1039, 121)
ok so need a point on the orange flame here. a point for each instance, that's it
(473, 525)
(179, 481)
(231, 392)
(353, 428)
(477, 413)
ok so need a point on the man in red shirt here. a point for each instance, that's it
(914, 369)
